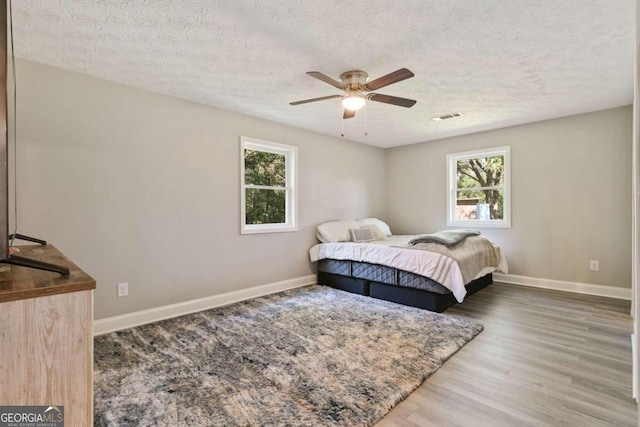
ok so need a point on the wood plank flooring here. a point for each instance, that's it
(545, 358)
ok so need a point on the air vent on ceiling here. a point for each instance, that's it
(448, 116)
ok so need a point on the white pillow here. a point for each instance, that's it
(336, 231)
(377, 233)
(378, 223)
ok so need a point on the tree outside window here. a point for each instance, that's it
(268, 186)
(479, 188)
(265, 180)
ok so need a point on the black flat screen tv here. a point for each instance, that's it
(6, 255)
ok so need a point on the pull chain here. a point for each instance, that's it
(365, 120)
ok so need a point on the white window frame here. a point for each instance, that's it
(291, 209)
(452, 160)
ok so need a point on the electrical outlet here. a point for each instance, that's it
(123, 289)
(594, 265)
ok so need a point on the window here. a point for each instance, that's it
(268, 186)
(478, 188)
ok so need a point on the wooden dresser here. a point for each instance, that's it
(46, 342)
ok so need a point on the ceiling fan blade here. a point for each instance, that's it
(390, 78)
(322, 98)
(347, 114)
(323, 77)
(402, 102)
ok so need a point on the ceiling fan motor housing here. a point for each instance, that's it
(354, 80)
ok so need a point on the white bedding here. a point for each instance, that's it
(391, 253)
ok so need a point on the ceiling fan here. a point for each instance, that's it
(355, 83)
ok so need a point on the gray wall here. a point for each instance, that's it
(571, 194)
(144, 188)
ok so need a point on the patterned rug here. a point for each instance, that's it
(312, 356)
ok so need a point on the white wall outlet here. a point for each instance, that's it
(594, 265)
(123, 289)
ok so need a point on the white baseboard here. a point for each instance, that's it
(634, 353)
(124, 321)
(561, 285)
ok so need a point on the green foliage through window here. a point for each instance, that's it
(265, 206)
(263, 168)
(267, 192)
(480, 188)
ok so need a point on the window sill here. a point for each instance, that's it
(267, 229)
(479, 224)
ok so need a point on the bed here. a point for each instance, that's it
(409, 269)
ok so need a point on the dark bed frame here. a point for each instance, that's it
(414, 297)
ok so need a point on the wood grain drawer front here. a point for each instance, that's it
(46, 354)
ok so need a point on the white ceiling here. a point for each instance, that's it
(500, 62)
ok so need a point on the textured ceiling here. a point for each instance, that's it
(499, 62)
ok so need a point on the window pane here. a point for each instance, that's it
(480, 204)
(480, 172)
(265, 206)
(261, 168)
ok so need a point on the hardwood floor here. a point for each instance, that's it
(545, 358)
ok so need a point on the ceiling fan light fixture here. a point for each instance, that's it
(353, 102)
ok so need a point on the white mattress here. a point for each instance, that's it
(391, 253)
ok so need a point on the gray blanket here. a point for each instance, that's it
(473, 255)
(449, 238)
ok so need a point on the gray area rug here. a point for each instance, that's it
(312, 356)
